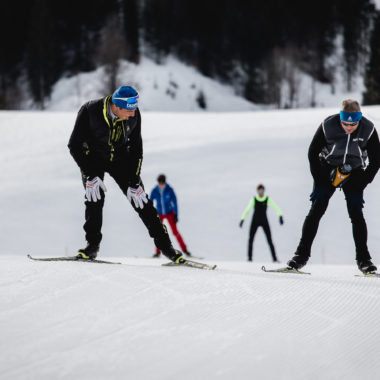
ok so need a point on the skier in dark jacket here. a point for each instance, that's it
(337, 156)
(167, 208)
(107, 138)
(259, 219)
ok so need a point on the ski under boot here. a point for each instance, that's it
(89, 253)
(156, 255)
(366, 266)
(297, 262)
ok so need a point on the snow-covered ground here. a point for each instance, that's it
(143, 321)
(214, 161)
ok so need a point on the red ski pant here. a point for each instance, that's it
(173, 226)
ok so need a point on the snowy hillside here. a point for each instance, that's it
(175, 87)
(172, 86)
(143, 321)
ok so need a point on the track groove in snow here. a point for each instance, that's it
(65, 320)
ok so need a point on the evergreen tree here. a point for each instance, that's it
(131, 27)
(372, 76)
(12, 47)
(42, 52)
(245, 42)
(112, 47)
(356, 16)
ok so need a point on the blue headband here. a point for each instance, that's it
(350, 117)
(126, 97)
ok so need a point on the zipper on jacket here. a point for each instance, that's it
(162, 200)
(345, 153)
(105, 115)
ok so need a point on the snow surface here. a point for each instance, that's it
(143, 321)
(214, 161)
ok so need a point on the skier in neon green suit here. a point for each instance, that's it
(259, 204)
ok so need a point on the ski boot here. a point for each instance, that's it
(157, 255)
(366, 266)
(297, 262)
(174, 255)
(88, 253)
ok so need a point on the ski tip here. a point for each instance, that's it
(263, 268)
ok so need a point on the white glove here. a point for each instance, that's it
(138, 196)
(93, 189)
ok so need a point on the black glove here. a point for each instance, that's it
(357, 182)
(281, 220)
(321, 173)
(176, 218)
(241, 223)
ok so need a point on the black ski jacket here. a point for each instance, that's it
(97, 141)
(342, 148)
(332, 147)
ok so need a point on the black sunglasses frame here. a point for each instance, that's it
(350, 124)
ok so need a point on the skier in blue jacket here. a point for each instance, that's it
(166, 204)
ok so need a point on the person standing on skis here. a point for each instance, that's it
(107, 139)
(259, 204)
(337, 156)
(166, 203)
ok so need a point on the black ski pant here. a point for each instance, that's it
(252, 232)
(149, 215)
(320, 199)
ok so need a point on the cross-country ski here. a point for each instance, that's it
(283, 270)
(191, 264)
(72, 258)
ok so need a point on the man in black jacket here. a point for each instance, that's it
(107, 138)
(337, 156)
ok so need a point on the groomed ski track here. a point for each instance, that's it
(65, 320)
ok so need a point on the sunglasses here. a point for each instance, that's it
(130, 100)
(349, 124)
